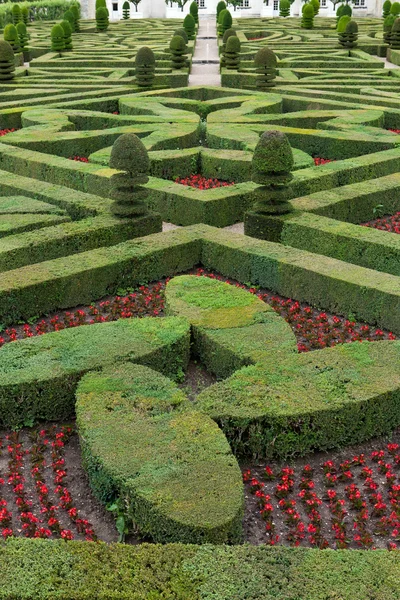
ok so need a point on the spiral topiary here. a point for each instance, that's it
(182, 33)
(129, 155)
(348, 38)
(271, 168)
(307, 19)
(387, 28)
(284, 8)
(25, 14)
(194, 11)
(386, 8)
(69, 16)
(102, 21)
(66, 25)
(220, 6)
(22, 35)
(228, 33)
(265, 63)
(395, 35)
(57, 39)
(7, 61)
(189, 25)
(232, 53)
(178, 51)
(395, 9)
(74, 8)
(145, 67)
(11, 36)
(16, 14)
(225, 21)
(126, 9)
(316, 5)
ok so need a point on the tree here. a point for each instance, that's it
(16, 13)
(182, 33)
(307, 20)
(57, 39)
(271, 168)
(178, 51)
(180, 3)
(348, 38)
(284, 8)
(69, 16)
(265, 63)
(25, 14)
(136, 4)
(189, 25)
(194, 11)
(22, 34)
(386, 8)
(74, 9)
(66, 25)
(315, 4)
(7, 61)
(232, 53)
(395, 35)
(395, 9)
(228, 33)
(234, 3)
(129, 155)
(225, 21)
(11, 36)
(102, 21)
(145, 67)
(387, 28)
(220, 6)
(126, 10)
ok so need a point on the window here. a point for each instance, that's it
(359, 3)
(201, 3)
(276, 4)
(115, 6)
(323, 3)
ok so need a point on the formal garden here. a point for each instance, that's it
(199, 304)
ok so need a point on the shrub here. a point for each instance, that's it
(387, 28)
(386, 8)
(395, 9)
(225, 21)
(315, 4)
(194, 11)
(16, 13)
(102, 19)
(57, 39)
(271, 167)
(189, 25)
(348, 38)
(183, 34)
(74, 9)
(395, 35)
(69, 16)
(307, 19)
(231, 54)
(228, 33)
(25, 14)
(22, 34)
(129, 155)
(265, 63)
(145, 67)
(67, 34)
(101, 4)
(220, 7)
(11, 36)
(343, 10)
(178, 50)
(7, 61)
(284, 8)
(126, 7)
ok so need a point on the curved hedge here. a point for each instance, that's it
(171, 465)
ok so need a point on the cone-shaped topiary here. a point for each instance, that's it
(395, 35)
(315, 4)
(265, 63)
(126, 9)
(11, 36)
(57, 39)
(189, 25)
(387, 28)
(194, 11)
(22, 35)
(182, 33)
(307, 19)
(271, 168)
(16, 13)
(347, 10)
(225, 21)
(145, 67)
(395, 9)
(342, 24)
(74, 8)
(386, 8)
(102, 19)
(101, 4)
(178, 51)
(7, 61)
(66, 25)
(228, 33)
(69, 16)
(25, 14)
(284, 8)
(128, 154)
(232, 53)
(348, 39)
(220, 6)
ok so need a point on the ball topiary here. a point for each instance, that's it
(395, 9)
(129, 155)
(178, 51)
(74, 8)
(126, 8)
(220, 6)
(284, 8)
(11, 36)
(102, 19)
(307, 19)
(16, 13)
(387, 28)
(194, 11)
(395, 35)
(25, 14)
(271, 168)
(57, 39)
(315, 4)
(182, 33)
(145, 67)
(69, 16)
(265, 63)
(7, 61)
(386, 8)
(225, 21)
(232, 53)
(67, 34)
(22, 35)
(348, 38)
(189, 25)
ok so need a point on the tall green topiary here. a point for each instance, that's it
(74, 9)
(66, 25)
(284, 8)
(145, 67)
(69, 16)
(11, 36)
(387, 28)
(307, 19)
(189, 25)
(194, 11)
(348, 38)
(57, 39)
(386, 8)
(25, 14)
(182, 33)
(395, 9)
(101, 4)
(342, 11)
(178, 52)
(225, 21)
(316, 5)
(232, 53)
(7, 61)
(129, 155)
(220, 6)
(271, 168)
(102, 21)
(22, 35)
(228, 33)
(341, 26)
(265, 63)
(126, 8)
(16, 13)
(395, 35)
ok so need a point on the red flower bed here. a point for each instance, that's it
(390, 223)
(202, 183)
(34, 497)
(79, 159)
(321, 161)
(394, 130)
(350, 504)
(6, 131)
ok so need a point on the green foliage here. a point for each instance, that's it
(342, 24)
(145, 67)
(189, 25)
(316, 5)
(75, 10)
(11, 36)
(16, 13)
(22, 34)
(182, 33)
(194, 11)
(284, 8)
(220, 6)
(386, 8)
(57, 38)
(7, 61)
(100, 4)
(395, 9)
(25, 14)
(126, 10)
(348, 38)
(178, 52)
(69, 16)
(67, 34)
(395, 35)
(307, 20)
(387, 27)
(102, 21)
(232, 53)
(224, 21)
(265, 63)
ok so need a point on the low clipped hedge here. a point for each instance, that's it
(39, 375)
(46, 570)
(171, 466)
